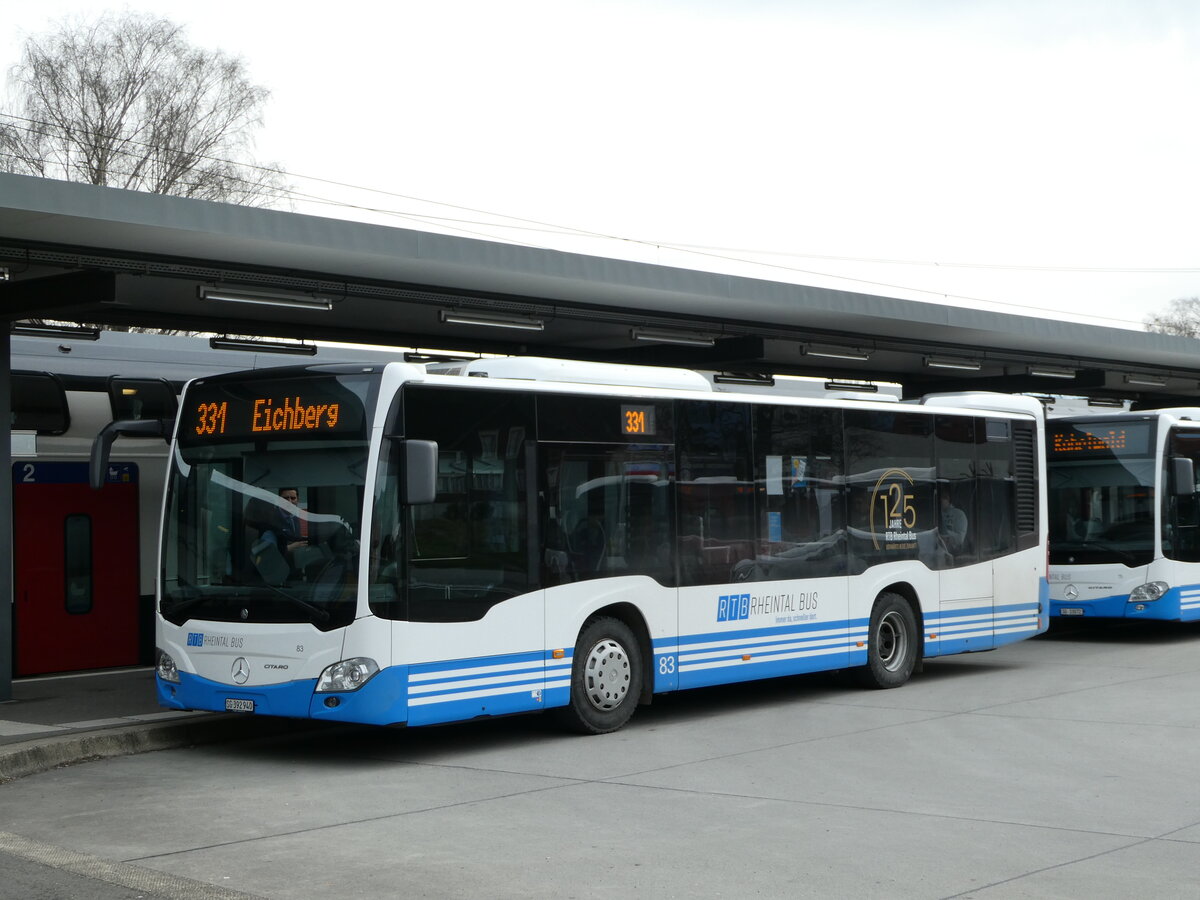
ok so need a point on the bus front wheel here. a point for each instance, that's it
(606, 677)
(891, 643)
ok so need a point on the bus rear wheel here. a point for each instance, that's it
(891, 643)
(606, 677)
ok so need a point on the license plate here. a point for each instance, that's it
(236, 704)
(1071, 611)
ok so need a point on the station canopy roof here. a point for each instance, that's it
(99, 255)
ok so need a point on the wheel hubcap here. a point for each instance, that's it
(892, 641)
(606, 674)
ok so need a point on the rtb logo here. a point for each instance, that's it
(732, 607)
(195, 639)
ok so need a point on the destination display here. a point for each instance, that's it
(638, 420)
(269, 409)
(1101, 440)
(590, 419)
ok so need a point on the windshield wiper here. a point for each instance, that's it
(318, 615)
(173, 609)
(1104, 547)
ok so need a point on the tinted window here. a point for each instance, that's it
(141, 398)
(469, 549)
(607, 511)
(39, 403)
(997, 491)
(1181, 536)
(798, 462)
(1101, 491)
(954, 443)
(77, 568)
(716, 492)
(889, 468)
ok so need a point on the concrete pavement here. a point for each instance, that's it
(1061, 767)
(59, 720)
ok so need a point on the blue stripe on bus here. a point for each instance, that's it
(771, 631)
(1004, 624)
(1189, 602)
(454, 690)
(446, 691)
(723, 657)
(989, 610)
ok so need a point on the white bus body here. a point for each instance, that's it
(588, 544)
(1124, 519)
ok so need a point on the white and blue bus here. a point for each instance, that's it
(521, 535)
(1125, 515)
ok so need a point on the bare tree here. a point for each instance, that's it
(1182, 317)
(126, 102)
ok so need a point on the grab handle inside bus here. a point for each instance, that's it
(103, 442)
(420, 471)
(1183, 476)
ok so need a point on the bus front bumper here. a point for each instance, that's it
(381, 701)
(1171, 606)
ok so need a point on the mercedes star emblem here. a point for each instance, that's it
(1071, 592)
(241, 670)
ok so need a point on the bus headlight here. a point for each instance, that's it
(166, 668)
(1152, 590)
(347, 675)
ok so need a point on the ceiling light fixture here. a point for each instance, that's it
(682, 338)
(746, 378)
(298, 348)
(863, 387)
(416, 356)
(1051, 372)
(491, 320)
(290, 301)
(947, 362)
(832, 351)
(1146, 380)
(58, 332)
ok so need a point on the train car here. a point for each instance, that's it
(83, 560)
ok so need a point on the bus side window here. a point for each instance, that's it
(1181, 538)
(802, 508)
(890, 473)
(954, 445)
(468, 549)
(716, 496)
(997, 495)
(607, 512)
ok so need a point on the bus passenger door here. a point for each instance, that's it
(75, 567)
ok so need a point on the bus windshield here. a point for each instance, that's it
(1101, 492)
(265, 498)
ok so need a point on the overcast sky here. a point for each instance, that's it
(1025, 156)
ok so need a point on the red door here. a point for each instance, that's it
(75, 567)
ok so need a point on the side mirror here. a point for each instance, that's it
(102, 444)
(1183, 476)
(420, 460)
